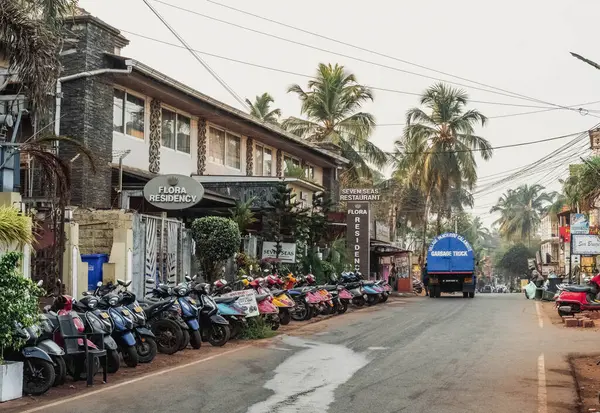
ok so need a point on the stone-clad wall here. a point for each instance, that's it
(96, 228)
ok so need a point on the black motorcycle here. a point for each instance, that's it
(214, 328)
(166, 326)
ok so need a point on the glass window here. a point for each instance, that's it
(309, 172)
(134, 116)
(118, 107)
(216, 146)
(258, 160)
(233, 151)
(183, 133)
(268, 162)
(169, 120)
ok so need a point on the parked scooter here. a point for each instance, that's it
(214, 328)
(266, 308)
(576, 298)
(229, 308)
(281, 299)
(38, 368)
(167, 330)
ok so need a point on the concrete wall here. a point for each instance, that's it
(96, 228)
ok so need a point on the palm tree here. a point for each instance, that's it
(30, 40)
(438, 144)
(588, 61)
(15, 228)
(521, 210)
(332, 105)
(261, 109)
(242, 214)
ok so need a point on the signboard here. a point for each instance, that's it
(173, 192)
(565, 234)
(360, 194)
(358, 236)
(247, 301)
(382, 232)
(450, 252)
(287, 253)
(530, 263)
(579, 224)
(586, 245)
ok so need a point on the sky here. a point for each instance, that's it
(519, 46)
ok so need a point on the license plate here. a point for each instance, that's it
(138, 309)
(104, 315)
(192, 301)
(126, 312)
(469, 280)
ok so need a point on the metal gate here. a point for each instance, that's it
(162, 252)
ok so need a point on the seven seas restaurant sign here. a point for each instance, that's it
(358, 221)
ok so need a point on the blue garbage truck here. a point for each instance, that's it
(451, 266)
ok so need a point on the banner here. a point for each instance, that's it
(246, 300)
(586, 245)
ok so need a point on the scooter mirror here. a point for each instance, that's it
(40, 283)
(188, 278)
(195, 276)
(85, 293)
(120, 282)
(99, 284)
(58, 282)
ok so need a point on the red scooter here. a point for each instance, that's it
(577, 298)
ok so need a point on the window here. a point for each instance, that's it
(224, 148)
(233, 151)
(128, 114)
(263, 159)
(216, 146)
(175, 131)
(289, 159)
(309, 172)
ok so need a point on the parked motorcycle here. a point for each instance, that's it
(229, 308)
(266, 308)
(576, 298)
(165, 326)
(281, 299)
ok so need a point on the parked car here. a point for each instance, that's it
(487, 289)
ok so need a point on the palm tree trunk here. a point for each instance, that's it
(423, 247)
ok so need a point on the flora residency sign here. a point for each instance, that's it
(173, 192)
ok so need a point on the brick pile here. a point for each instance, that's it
(585, 320)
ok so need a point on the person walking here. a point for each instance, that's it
(425, 277)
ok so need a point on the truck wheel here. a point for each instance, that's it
(471, 295)
(465, 295)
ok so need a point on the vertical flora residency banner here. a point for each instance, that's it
(358, 236)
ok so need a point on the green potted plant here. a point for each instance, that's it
(217, 239)
(18, 304)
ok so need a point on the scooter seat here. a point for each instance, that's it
(225, 300)
(277, 292)
(579, 288)
(261, 297)
(330, 287)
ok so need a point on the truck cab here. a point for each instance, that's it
(451, 266)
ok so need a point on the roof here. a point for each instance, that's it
(258, 179)
(166, 80)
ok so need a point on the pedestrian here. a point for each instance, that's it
(425, 277)
(393, 277)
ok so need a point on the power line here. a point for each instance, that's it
(364, 49)
(577, 107)
(202, 62)
(341, 54)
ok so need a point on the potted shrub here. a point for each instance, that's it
(18, 304)
(217, 239)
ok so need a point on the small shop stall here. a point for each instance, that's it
(392, 264)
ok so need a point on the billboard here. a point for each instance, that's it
(579, 224)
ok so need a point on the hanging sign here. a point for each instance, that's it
(586, 245)
(287, 253)
(173, 192)
(579, 224)
(360, 194)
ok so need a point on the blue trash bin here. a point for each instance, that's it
(95, 262)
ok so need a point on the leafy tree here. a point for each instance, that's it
(18, 301)
(242, 214)
(283, 216)
(320, 208)
(31, 38)
(520, 211)
(514, 260)
(217, 239)
(332, 105)
(261, 109)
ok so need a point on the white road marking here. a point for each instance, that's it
(538, 310)
(128, 382)
(280, 348)
(377, 348)
(542, 391)
(322, 333)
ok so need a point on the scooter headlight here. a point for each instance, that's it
(112, 301)
(95, 322)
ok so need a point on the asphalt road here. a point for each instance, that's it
(488, 354)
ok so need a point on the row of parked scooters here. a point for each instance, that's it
(110, 325)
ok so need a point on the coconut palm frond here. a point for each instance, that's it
(15, 228)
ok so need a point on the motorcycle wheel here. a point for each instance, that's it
(146, 350)
(195, 339)
(185, 341)
(301, 312)
(275, 323)
(219, 335)
(130, 356)
(235, 328)
(38, 376)
(77, 367)
(60, 369)
(372, 299)
(358, 301)
(342, 306)
(284, 316)
(114, 361)
(168, 336)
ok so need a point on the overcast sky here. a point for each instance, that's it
(520, 46)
